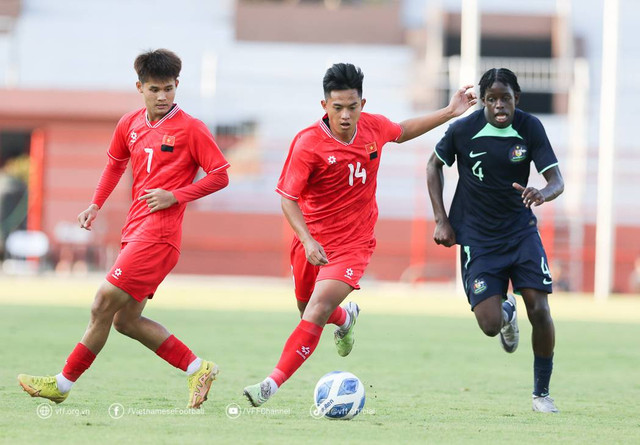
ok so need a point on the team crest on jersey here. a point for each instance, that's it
(518, 153)
(168, 142)
(331, 159)
(479, 286)
(133, 136)
(372, 150)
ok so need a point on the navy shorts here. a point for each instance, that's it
(486, 271)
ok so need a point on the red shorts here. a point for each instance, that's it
(141, 267)
(347, 265)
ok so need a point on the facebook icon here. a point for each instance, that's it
(116, 410)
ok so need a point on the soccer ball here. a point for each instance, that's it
(339, 395)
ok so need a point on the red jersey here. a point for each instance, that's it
(165, 154)
(335, 182)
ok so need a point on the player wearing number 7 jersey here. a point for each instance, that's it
(327, 189)
(491, 217)
(166, 147)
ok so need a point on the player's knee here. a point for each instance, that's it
(104, 305)
(121, 326)
(490, 327)
(101, 307)
(318, 313)
(540, 315)
(124, 326)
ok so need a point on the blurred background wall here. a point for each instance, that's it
(252, 71)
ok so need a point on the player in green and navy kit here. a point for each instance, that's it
(491, 218)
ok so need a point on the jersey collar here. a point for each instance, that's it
(327, 130)
(172, 112)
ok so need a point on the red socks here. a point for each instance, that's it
(78, 362)
(300, 345)
(338, 317)
(172, 350)
(176, 353)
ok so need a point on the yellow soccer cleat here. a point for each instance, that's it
(45, 387)
(199, 383)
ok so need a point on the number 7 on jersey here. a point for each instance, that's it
(150, 151)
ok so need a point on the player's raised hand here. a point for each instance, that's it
(444, 234)
(158, 199)
(530, 195)
(85, 219)
(462, 100)
(315, 253)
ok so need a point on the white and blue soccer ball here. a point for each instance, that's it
(339, 395)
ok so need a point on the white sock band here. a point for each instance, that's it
(272, 385)
(64, 384)
(194, 366)
(347, 320)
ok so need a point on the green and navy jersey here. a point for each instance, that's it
(486, 209)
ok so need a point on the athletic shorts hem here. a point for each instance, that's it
(546, 289)
(123, 287)
(477, 301)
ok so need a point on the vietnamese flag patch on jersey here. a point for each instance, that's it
(168, 142)
(372, 149)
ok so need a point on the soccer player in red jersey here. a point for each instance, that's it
(327, 189)
(166, 146)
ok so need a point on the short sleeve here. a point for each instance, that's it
(541, 151)
(445, 149)
(118, 149)
(296, 170)
(390, 131)
(205, 150)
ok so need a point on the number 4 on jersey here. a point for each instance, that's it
(477, 170)
(357, 172)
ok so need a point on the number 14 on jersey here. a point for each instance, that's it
(357, 172)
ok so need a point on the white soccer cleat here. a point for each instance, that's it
(509, 334)
(258, 394)
(544, 404)
(344, 340)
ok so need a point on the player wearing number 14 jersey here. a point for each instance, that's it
(491, 218)
(166, 147)
(327, 189)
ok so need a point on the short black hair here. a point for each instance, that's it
(160, 64)
(343, 76)
(502, 75)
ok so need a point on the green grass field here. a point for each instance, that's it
(431, 376)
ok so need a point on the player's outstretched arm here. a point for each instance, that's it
(553, 189)
(460, 102)
(313, 250)
(443, 233)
